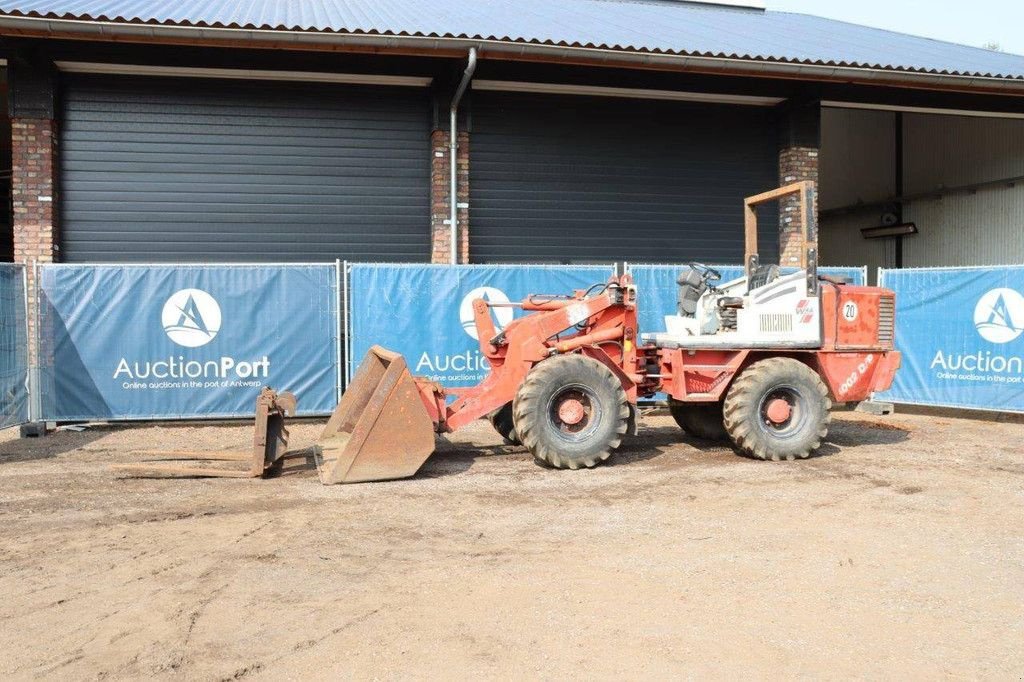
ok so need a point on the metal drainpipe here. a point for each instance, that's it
(453, 142)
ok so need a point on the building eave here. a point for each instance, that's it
(497, 49)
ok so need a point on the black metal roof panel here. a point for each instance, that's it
(656, 26)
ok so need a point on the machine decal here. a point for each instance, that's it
(860, 372)
(805, 311)
(850, 311)
(578, 312)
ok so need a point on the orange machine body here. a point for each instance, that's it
(857, 356)
(855, 359)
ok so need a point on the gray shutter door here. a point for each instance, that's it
(190, 170)
(584, 179)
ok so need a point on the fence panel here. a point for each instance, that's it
(13, 347)
(961, 332)
(425, 312)
(185, 341)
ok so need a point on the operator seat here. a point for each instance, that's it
(691, 287)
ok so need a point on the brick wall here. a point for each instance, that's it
(32, 189)
(440, 208)
(796, 164)
(33, 203)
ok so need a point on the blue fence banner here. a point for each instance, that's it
(658, 291)
(425, 312)
(961, 332)
(185, 341)
(13, 347)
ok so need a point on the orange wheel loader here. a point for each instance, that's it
(758, 361)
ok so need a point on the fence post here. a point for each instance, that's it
(28, 342)
(339, 333)
(33, 320)
(346, 331)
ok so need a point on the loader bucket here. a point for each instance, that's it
(380, 430)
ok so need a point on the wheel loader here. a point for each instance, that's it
(758, 361)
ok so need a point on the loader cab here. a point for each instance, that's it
(764, 308)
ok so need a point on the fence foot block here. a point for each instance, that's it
(33, 430)
(879, 409)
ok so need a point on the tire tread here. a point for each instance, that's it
(524, 409)
(744, 389)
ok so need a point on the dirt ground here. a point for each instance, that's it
(898, 552)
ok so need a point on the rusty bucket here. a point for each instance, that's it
(380, 430)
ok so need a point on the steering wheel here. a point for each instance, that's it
(709, 275)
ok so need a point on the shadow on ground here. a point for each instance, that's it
(651, 443)
(858, 434)
(51, 445)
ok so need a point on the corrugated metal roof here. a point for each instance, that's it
(657, 26)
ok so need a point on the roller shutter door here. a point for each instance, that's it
(582, 179)
(190, 170)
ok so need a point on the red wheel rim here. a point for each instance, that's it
(571, 411)
(778, 411)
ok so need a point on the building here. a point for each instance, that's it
(590, 131)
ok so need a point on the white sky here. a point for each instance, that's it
(972, 23)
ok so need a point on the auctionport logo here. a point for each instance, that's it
(999, 316)
(467, 367)
(502, 316)
(191, 318)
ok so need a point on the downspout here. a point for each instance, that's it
(453, 143)
(898, 256)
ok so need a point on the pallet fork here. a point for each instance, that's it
(270, 443)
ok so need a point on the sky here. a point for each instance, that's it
(971, 23)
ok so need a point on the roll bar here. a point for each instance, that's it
(805, 192)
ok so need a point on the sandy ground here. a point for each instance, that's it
(897, 553)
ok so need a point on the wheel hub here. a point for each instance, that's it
(778, 411)
(571, 411)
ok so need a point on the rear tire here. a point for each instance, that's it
(778, 409)
(502, 421)
(700, 420)
(571, 412)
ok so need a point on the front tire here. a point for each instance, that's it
(571, 412)
(778, 409)
(502, 421)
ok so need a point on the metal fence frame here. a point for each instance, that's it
(881, 273)
(21, 411)
(35, 396)
(344, 299)
(351, 298)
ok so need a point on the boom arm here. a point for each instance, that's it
(604, 323)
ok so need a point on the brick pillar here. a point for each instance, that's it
(33, 154)
(795, 165)
(33, 203)
(799, 145)
(440, 207)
